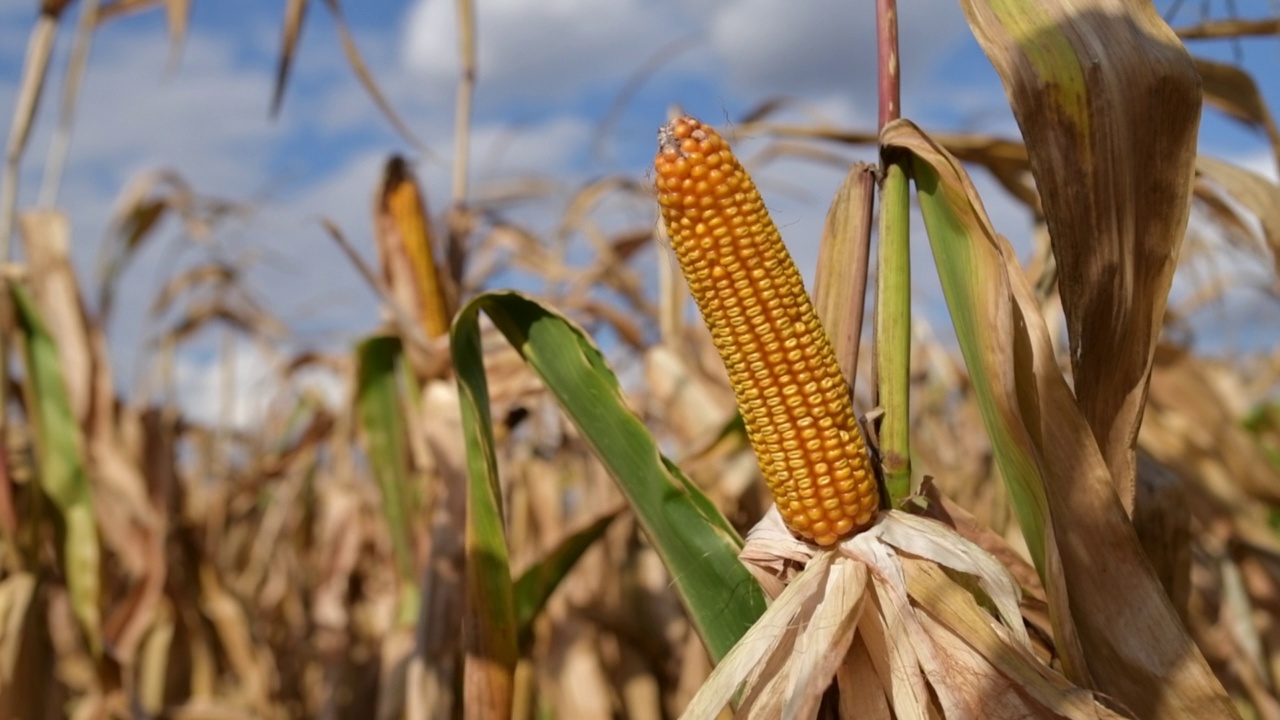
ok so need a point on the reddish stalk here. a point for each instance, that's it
(887, 47)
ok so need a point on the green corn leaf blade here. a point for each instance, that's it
(62, 474)
(489, 633)
(382, 428)
(536, 584)
(696, 543)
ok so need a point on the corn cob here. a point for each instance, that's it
(406, 214)
(784, 373)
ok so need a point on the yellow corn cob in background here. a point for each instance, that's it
(797, 408)
(408, 225)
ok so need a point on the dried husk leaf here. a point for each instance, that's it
(895, 662)
(952, 608)
(759, 642)
(840, 282)
(830, 634)
(861, 687)
(859, 621)
(939, 543)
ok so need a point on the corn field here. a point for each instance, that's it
(546, 488)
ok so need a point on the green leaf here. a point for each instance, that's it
(62, 475)
(537, 583)
(489, 616)
(695, 542)
(382, 427)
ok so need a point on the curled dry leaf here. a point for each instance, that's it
(840, 283)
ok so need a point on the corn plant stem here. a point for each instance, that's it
(893, 332)
(893, 277)
(887, 44)
(458, 223)
(466, 91)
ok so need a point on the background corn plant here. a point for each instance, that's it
(491, 524)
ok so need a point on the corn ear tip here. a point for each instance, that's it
(667, 140)
(672, 135)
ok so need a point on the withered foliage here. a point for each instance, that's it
(311, 563)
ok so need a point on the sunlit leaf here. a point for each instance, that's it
(695, 542)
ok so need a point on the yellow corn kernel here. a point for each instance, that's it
(784, 373)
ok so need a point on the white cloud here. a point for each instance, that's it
(790, 47)
(208, 120)
(554, 50)
(546, 50)
(1262, 163)
(255, 389)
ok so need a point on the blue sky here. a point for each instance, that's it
(549, 72)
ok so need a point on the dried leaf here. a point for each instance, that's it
(1102, 591)
(35, 68)
(939, 543)
(1232, 28)
(861, 689)
(366, 78)
(16, 592)
(294, 15)
(178, 17)
(840, 284)
(1108, 101)
(1256, 193)
(758, 643)
(830, 635)
(1234, 92)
